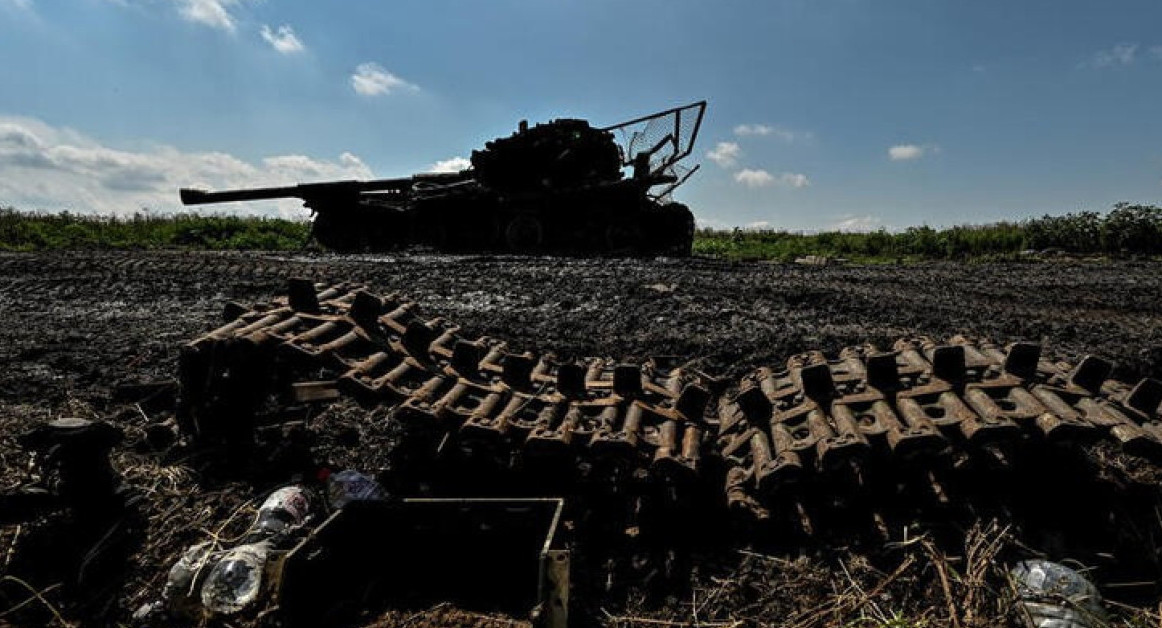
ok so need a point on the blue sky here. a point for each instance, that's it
(854, 114)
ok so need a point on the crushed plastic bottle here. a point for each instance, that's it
(236, 581)
(181, 586)
(283, 512)
(1052, 595)
(349, 485)
(226, 581)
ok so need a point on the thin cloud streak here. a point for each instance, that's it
(905, 152)
(725, 154)
(1122, 54)
(283, 40)
(371, 79)
(757, 178)
(788, 136)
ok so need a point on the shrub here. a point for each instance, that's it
(26, 231)
(1127, 229)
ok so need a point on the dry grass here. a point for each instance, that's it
(911, 585)
(926, 587)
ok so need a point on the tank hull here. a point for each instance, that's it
(611, 219)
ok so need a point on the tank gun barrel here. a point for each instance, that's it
(305, 191)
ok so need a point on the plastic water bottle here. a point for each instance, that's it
(226, 581)
(181, 586)
(283, 512)
(1055, 596)
(236, 581)
(348, 486)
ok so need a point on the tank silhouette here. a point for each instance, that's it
(559, 187)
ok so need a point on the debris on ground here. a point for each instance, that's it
(931, 539)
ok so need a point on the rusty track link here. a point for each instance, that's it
(918, 416)
(936, 413)
(440, 383)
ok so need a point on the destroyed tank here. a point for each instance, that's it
(559, 187)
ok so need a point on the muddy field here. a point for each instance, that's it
(80, 326)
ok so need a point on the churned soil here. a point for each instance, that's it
(78, 327)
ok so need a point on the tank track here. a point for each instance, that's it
(821, 441)
(922, 428)
(382, 351)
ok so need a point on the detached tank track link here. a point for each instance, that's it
(439, 382)
(915, 423)
(949, 423)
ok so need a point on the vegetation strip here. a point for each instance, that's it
(1126, 230)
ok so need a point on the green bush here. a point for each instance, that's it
(26, 231)
(1126, 229)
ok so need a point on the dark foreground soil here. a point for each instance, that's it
(77, 326)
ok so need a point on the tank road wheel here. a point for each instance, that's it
(430, 233)
(623, 236)
(677, 238)
(524, 233)
(336, 233)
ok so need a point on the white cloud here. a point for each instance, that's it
(792, 180)
(1121, 54)
(455, 164)
(905, 152)
(18, 4)
(370, 79)
(758, 225)
(212, 13)
(1156, 52)
(753, 178)
(743, 130)
(710, 223)
(762, 130)
(284, 40)
(725, 154)
(53, 168)
(851, 222)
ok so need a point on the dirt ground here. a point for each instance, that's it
(79, 325)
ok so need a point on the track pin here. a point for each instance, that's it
(937, 488)
(804, 519)
(856, 471)
(881, 527)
